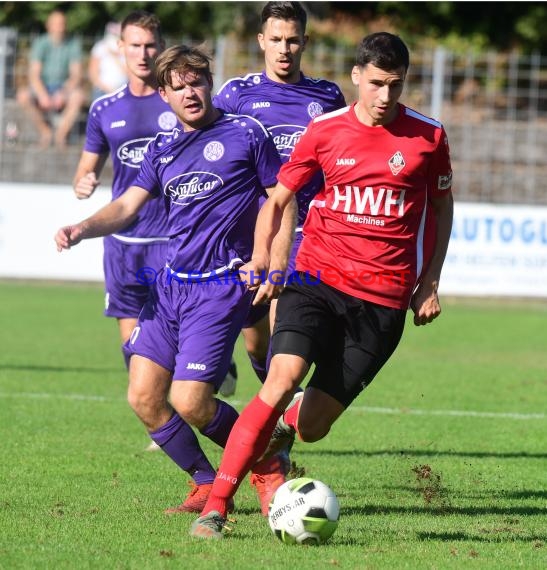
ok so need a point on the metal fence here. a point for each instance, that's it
(493, 106)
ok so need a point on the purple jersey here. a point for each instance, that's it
(210, 180)
(123, 125)
(285, 110)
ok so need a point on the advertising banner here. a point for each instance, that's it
(495, 250)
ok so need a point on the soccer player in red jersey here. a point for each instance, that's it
(374, 244)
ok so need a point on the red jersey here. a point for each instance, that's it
(369, 233)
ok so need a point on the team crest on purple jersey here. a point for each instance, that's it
(213, 151)
(185, 188)
(315, 109)
(167, 121)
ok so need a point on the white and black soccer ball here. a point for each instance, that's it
(304, 511)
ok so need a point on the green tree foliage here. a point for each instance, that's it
(498, 25)
(482, 25)
(199, 20)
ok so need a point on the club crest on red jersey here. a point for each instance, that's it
(396, 163)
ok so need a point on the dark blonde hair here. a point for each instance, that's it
(181, 59)
(144, 20)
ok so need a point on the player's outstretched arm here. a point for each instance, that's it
(89, 168)
(111, 218)
(425, 301)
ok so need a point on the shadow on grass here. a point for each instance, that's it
(526, 494)
(418, 453)
(499, 535)
(46, 368)
(520, 495)
(441, 510)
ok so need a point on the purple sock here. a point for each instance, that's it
(218, 429)
(179, 442)
(260, 368)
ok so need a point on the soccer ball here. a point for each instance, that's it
(304, 511)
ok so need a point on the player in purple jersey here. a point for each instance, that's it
(284, 100)
(209, 176)
(121, 124)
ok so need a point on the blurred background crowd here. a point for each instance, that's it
(479, 67)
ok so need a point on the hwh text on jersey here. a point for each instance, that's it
(353, 199)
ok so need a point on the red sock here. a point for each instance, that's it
(247, 442)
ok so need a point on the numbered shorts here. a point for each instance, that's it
(129, 271)
(347, 338)
(191, 328)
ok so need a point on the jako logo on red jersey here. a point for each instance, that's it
(381, 201)
(345, 162)
(185, 188)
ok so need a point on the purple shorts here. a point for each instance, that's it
(129, 270)
(191, 328)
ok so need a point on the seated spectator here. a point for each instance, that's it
(106, 63)
(55, 82)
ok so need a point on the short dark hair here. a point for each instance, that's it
(384, 50)
(144, 20)
(181, 59)
(284, 11)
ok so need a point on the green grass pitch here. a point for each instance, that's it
(440, 463)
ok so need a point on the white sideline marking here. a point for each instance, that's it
(464, 413)
(45, 395)
(368, 409)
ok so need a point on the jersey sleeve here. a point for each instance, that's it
(227, 98)
(95, 140)
(302, 164)
(37, 50)
(75, 48)
(148, 177)
(440, 175)
(340, 100)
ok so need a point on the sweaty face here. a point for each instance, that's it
(189, 95)
(379, 92)
(283, 43)
(140, 48)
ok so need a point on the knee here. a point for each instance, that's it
(312, 431)
(146, 404)
(257, 350)
(196, 413)
(257, 346)
(77, 98)
(23, 96)
(257, 339)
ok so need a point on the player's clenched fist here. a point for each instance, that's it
(68, 236)
(86, 186)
